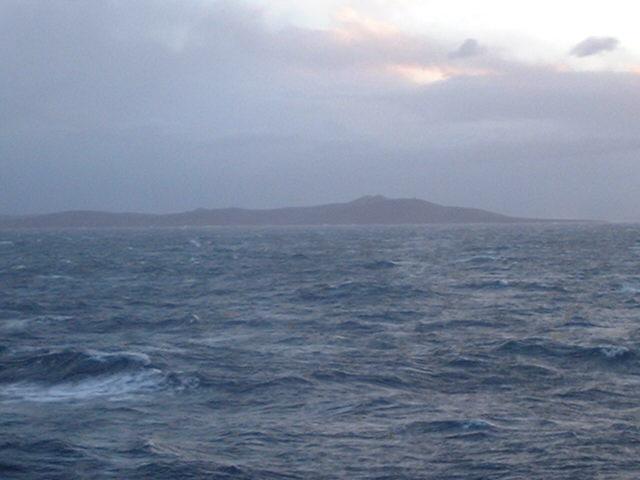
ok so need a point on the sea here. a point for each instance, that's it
(406, 352)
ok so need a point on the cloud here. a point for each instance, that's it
(469, 48)
(165, 106)
(423, 75)
(594, 45)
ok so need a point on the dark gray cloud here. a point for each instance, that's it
(469, 48)
(594, 45)
(166, 106)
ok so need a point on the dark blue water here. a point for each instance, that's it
(497, 352)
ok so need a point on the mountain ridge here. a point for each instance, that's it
(367, 210)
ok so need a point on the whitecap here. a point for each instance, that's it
(55, 277)
(15, 325)
(478, 259)
(627, 288)
(140, 357)
(113, 387)
(477, 425)
(614, 351)
(21, 324)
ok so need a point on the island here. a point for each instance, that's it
(368, 210)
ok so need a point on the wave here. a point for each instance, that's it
(110, 386)
(83, 375)
(543, 348)
(19, 325)
(69, 365)
(479, 259)
(25, 306)
(377, 380)
(289, 384)
(487, 284)
(593, 394)
(359, 291)
(516, 285)
(423, 327)
(614, 351)
(379, 265)
(55, 278)
(178, 468)
(355, 326)
(629, 288)
(448, 426)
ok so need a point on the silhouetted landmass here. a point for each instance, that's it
(369, 210)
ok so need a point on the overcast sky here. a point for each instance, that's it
(524, 108)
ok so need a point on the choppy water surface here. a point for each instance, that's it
(507, 352)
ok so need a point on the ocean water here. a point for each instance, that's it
(436, 352)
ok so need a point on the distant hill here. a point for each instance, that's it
(369, 210)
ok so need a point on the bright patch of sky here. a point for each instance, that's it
(544, 31)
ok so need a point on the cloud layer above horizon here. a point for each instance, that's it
(173, 105)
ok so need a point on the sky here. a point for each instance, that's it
(523, 108)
